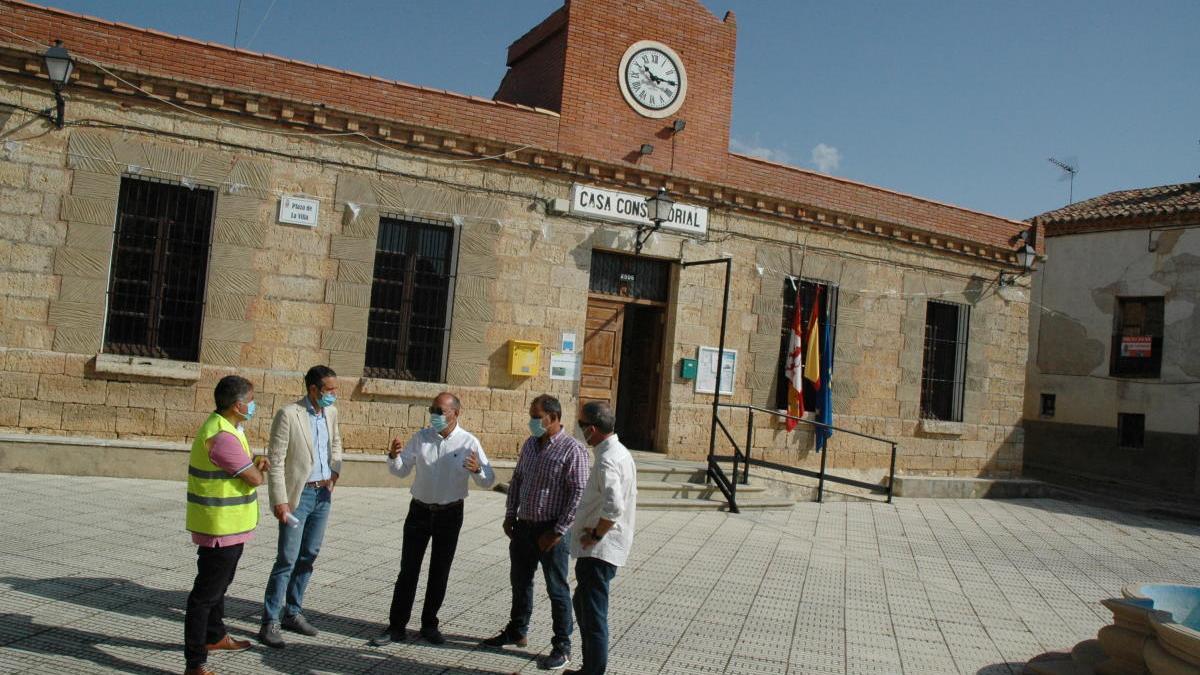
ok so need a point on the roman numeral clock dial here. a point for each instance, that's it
(652, 79)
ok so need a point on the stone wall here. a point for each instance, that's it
(282, 298)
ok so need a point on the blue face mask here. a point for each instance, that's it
(438, 422)
(327, 400)
(250, 408)
(535, 427)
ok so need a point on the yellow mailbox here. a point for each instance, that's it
(524, 357)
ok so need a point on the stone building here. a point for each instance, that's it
(145, 251)
(1113, 392)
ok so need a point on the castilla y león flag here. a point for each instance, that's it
(794, 368)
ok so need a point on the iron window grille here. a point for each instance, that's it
(943, 371)
(1131, 430)
(1049, 402)
(408, 328)
(159, 268)
(806, 291)
(629, 276)
(1137, 340)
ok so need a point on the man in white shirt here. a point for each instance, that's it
(444, 456)
(602, 533)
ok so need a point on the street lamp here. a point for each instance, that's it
(59, 65)
(1026, 256)
(658, 210)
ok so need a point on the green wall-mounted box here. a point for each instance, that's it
(687, 369)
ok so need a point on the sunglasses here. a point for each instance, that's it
(434, 410)
(583, 424)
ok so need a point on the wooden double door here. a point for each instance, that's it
(622, 364)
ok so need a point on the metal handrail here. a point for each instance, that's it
(744, 457)
(776, 413)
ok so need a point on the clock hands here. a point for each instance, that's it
(655, 78)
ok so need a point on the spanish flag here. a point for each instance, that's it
(812, 356)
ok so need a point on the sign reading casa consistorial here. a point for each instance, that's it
(628, 207)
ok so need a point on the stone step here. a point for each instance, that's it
(713, 503)
(671, 474)
(659, 489)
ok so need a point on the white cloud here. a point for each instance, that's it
(756, 149)
(826, 158)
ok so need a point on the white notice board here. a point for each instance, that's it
(706, 371)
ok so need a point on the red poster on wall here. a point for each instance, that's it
(1136, 346)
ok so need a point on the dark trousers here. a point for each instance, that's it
(204, 622)
(422, 525)
(525, 556)
(592, 576)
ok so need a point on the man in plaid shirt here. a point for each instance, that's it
(542, 497)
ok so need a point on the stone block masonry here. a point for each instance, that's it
(280, 298)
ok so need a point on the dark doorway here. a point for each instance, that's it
(623, 345)
(641, 370)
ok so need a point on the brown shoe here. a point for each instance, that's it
(228, 644)
(201, 669)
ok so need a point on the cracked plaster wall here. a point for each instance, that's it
(1071, 333)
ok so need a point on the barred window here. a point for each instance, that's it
(409, 324)
(1137, 341)
(806, 292)
(1131, 430)
(943, 372)
(159, 267)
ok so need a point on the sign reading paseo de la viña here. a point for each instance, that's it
(627, 207)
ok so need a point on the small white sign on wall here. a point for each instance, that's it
(706, 373)
(299, 211)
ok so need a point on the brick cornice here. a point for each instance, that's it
(244, 105)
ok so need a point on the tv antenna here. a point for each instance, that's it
(1070, 168)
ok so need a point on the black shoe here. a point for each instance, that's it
(433, 636)
(387, 637)
(555, 660)
(505, 638)
(298, 624)
(270, 636)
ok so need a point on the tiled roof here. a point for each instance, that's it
(1141, 203)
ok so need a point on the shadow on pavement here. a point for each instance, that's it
(1002, 669)
(121, 596)
(78, 644)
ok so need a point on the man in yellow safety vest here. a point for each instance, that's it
(222, 512)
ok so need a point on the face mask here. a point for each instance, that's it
(326, 400)
(583, 432)
(438, 422)
(535, 427)
(250, 408)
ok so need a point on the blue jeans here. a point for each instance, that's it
(525, 557)
(298, 549)
(592, 576)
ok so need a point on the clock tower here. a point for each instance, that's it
(625, 73)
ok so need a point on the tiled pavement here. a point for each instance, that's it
(94, 572)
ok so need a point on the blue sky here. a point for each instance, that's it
(959, 101)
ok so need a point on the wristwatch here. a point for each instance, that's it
(596, 536)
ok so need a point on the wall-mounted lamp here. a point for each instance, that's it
(658, 210)
(1026, 256)
(59, 66)
(646, 149)
(677, 126)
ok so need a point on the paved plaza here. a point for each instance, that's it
(94, 573)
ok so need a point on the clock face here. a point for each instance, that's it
(652, 79)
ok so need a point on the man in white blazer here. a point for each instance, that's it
(306, 457)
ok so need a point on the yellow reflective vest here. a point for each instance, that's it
(218, 504)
